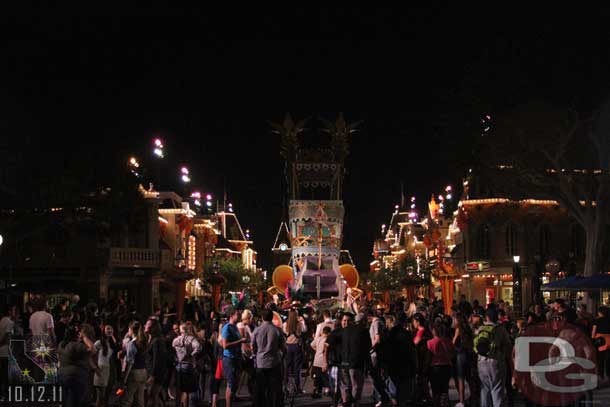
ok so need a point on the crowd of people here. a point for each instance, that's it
(110, 355)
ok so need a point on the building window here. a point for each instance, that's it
(545, 239)
(484, 242)
(509, 240)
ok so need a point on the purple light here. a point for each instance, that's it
(158, 143)
(209, 198)
(184, 170)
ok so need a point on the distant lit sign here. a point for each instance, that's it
(475, 266)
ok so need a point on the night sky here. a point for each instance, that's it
(81, 94)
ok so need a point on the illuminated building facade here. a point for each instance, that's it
(148, 252)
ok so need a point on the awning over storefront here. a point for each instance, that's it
(576, 283)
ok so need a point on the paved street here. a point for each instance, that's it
(601, 397)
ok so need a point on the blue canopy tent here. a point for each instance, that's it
(597, 282)
(572, 283)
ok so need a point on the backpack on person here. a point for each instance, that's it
(484, 341)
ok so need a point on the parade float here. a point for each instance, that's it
(314, 186)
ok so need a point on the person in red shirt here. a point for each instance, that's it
(441, 353)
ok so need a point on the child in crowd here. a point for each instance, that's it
(319, 366)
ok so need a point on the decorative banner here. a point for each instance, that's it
(462, 219)
(447, 293)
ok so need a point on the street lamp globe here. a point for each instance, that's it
(158, 148)
(1, 240)
(516, 259)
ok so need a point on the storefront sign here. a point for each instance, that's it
(475, 266)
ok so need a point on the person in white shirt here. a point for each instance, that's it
(327, 322)
(41, 322)
(101, 375)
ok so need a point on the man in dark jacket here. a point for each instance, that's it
(156, 360)
(401, 360)
(355, 354)
(333, 363)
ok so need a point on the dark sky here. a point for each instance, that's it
(83, 92)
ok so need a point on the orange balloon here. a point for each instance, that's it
(350, 274)
(282, 275)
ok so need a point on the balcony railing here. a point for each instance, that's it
(137, 258)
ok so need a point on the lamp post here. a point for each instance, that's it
(179, 260)
(517, 303)
(538, 279)
(179, 263)
(159, 152)
(185, 178)
(216, 280)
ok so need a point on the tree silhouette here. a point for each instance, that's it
(538, 151)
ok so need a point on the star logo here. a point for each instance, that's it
(26, 372)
